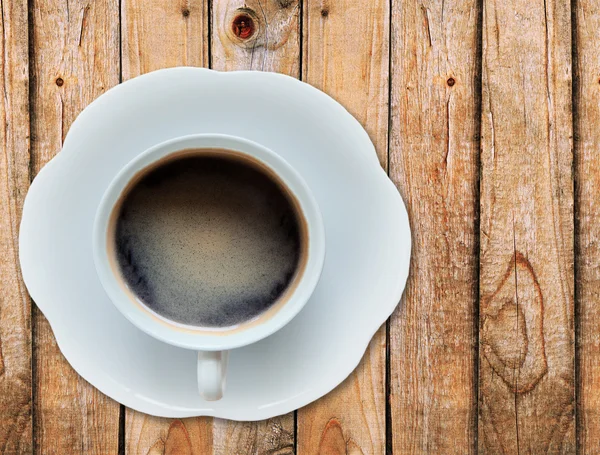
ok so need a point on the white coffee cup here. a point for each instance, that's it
(212, 344)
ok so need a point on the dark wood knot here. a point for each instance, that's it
(243, 26)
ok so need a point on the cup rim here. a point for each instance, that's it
(206, 339)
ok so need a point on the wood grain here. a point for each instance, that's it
(353, 68)
(148, 435)
(274, 436)
(147, 47)
(526, 382)
(272, 43)
(15, 305)
(75, 59)
(434, 162)
(587, 220)
(503, 284)
(159, 34)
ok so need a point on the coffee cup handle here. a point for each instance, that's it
(212, 369)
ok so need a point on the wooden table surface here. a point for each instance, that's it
(486, 115)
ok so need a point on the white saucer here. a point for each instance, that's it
(367, 238)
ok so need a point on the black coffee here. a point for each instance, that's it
(207, 238)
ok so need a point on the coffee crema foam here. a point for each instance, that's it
(208, 238)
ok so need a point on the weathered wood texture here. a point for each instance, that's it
(526, 381)
(163, 33)
(274, 436)
(434, 162)
(147, 435)
(160, 34)
(180, 38)
(352, 68)
(587, 220)
(503, 284)
(15, 305)
(256, 34)
(272, 44)
(75, 52)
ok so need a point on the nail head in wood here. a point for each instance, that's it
(59, 81)
(450, 81)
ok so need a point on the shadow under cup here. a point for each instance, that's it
(208, 240)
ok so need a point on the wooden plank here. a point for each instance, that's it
(273, 436)
(434, 162)
(353, 68)
(75, 58)
(258, 35)
(161, 34)
(168, 44)
(587, 220)
(148, 435)
(526, 375)
(15, 306)
(262, 35)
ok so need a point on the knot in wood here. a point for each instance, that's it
(243, 26)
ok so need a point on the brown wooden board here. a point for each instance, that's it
(526, 368)
(257, 35)
(352, 68)
(471, 107)
(75, 58)
(587, 220)
(15, 305)
(161, 34)
(434, 162)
